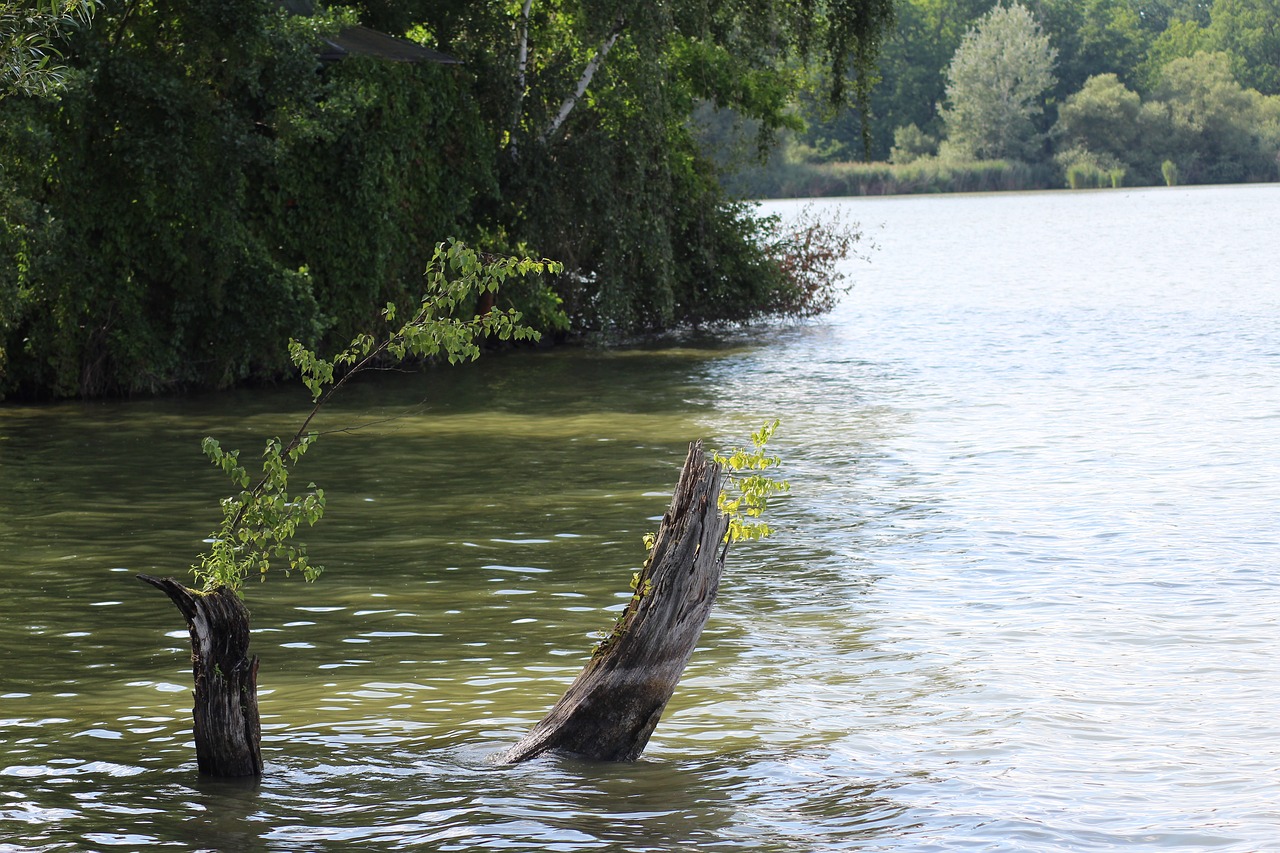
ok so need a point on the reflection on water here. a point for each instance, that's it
(1022, 598)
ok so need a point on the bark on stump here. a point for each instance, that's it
(611, 709)
(226, 725)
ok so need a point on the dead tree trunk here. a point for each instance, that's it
(611, 709)
(227, 729)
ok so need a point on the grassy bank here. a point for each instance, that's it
(789, 179)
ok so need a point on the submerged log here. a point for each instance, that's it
(226, 724)
(611, 709)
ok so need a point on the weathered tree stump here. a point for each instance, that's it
(226, 725)
(611, 709)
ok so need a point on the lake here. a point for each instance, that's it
(1024, 595)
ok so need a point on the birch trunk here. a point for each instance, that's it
(584, 82)
(522, 65)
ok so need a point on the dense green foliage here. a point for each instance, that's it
(203, 189)
(1138, 83)
(198, 194)
(620, 190)
(260, 521)
(1198, 118)
(30, 32)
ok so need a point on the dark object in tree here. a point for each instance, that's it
(611, 709)
(365, 41)
(225, 718)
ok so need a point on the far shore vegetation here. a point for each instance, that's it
(1081, 94)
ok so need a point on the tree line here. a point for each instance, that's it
(200, 187)
(1078, 92)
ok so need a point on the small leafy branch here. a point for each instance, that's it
(259, 523)
(745, 498)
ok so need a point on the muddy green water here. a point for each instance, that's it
(1024, 597)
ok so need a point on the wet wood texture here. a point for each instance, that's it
(611, 709)
(225, 719)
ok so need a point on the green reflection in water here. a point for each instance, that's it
(483, 526)
(482, 523)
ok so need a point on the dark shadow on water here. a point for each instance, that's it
(225, 814)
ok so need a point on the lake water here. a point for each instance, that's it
(1025, 595)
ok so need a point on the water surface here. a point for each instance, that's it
(1023, 597)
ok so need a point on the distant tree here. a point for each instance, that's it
(913, 65)
(1092, 37)
(1107, 125)
(1198, 125)
(1180, 40)
(995, 86)
(1220, 132)
(910, 143)
(1249, 30)
(1269, 128)
(1103, 114)
(1157, 15)
(1111, 41)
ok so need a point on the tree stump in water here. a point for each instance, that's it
(225, 718)
(611, 709)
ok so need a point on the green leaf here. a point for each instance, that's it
(745, 498)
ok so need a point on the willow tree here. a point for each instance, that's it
(261, 519)
(31, 32)
(590, 104)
